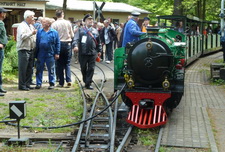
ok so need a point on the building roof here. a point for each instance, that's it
(88, 6)
(39, 0)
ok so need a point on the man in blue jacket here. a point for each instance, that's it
(48, 49)
(132, 31)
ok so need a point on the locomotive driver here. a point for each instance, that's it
(87, 42)
(132, 31)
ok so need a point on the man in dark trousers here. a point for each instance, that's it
(87, 42)
(26, 41)
(107, 36)
(66, 34)
(3, 42)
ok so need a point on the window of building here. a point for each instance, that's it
(115, 20)
(71, 19)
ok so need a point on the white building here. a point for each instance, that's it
(75, 10)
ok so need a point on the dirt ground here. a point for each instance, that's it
(13, 94)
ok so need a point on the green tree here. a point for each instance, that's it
(204, 9)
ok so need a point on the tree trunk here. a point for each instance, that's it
(203, 9)
(178, 9)
(64, 7)
(198, 9)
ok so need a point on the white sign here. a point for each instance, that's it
(16, 110)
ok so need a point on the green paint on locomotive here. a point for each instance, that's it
(176, 42)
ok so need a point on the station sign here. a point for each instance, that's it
(19, 4)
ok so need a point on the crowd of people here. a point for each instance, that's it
(46, 42)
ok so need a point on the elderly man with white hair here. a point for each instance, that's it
(26, 37)
(107, 36)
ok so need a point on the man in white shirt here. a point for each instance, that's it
(26, 37)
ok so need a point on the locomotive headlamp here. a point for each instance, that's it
(149, 46)
(130, 83)
(129, 80)
(166, 84)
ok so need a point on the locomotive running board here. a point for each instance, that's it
(147, 118)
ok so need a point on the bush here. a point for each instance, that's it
(10, 63)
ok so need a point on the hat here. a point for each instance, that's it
(3, 10)
(146, 18)
(87, 16)
(135, 14)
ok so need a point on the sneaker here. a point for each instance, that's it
(107, 62)
(60, 86)
(38, 87)
(3, 91)
(24, 89)
(89, 87)
(69, 84)
(31, 88)
(51, 87)
(32, 83)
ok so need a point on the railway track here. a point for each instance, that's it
(100, 132)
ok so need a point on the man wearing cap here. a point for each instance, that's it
(145, 24)
(88, 43)
(3, 42)
(132, 31)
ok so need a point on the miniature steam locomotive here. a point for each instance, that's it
(153, 70)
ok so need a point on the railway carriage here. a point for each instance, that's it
(153, 68)
(199, 43)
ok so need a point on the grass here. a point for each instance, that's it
(147, 137)
(45, 109)
(218, 61)
(48, 147)
(54, 115)
(217, 82)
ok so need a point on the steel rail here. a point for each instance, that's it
(112, 144)
(122, 144)
(99, 93)
(112, 126)
(76, 144)
(159, 140)
(107, 66)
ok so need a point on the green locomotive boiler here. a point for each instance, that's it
(153, 70)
